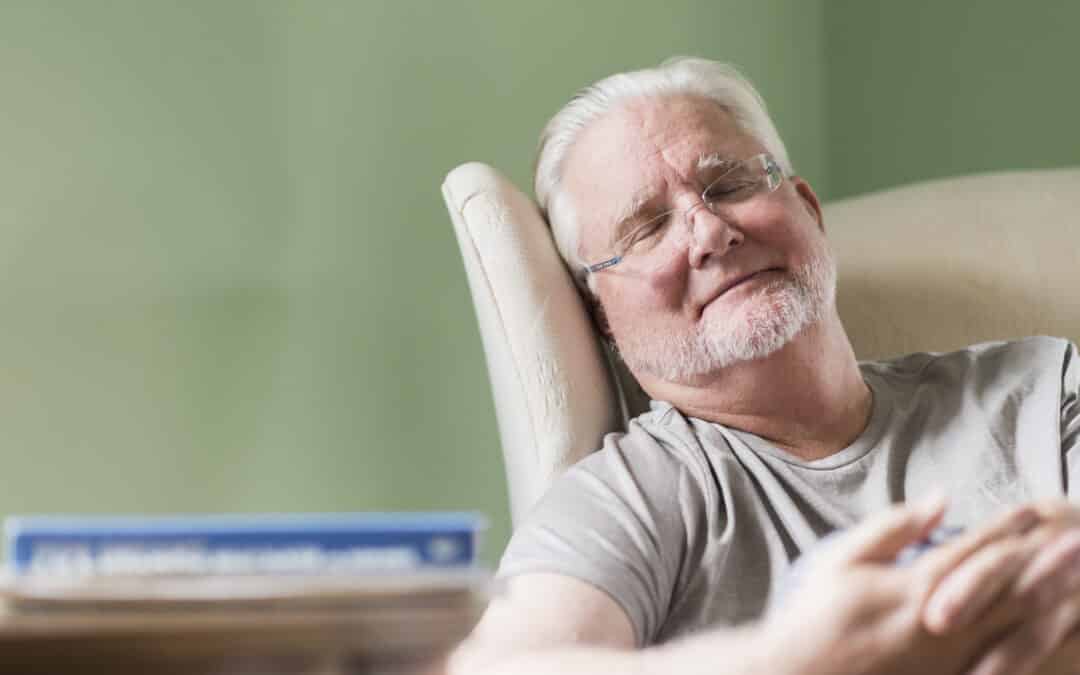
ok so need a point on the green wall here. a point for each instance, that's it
(227, 279)
(923, 89)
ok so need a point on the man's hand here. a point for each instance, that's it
(857, 612)
(1065, 660)
(1027, 590)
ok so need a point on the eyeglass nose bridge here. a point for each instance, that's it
(689, 227)
(688, 214)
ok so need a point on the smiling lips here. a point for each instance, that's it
(736, 282)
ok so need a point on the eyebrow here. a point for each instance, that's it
(628, 214)
(713, 160)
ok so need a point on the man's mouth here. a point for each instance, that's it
(738, 282)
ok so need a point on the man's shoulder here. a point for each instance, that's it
(985, 359)
(659, 439)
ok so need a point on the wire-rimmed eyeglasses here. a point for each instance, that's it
(648, 241)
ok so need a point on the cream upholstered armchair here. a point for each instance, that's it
(926, 267)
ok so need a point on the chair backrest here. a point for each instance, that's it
(927, 267)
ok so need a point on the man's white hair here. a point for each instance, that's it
(719, 82)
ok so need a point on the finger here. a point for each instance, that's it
(1051, 588)
(884, 535)
(937, 563)
(1066, 657)
(1053, 568)
(1058, 510)
(1018, 654)
(978, 567)
(974, 585)
(1033, 645)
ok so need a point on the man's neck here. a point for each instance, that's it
(808, 398)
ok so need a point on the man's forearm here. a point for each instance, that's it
(738, 651)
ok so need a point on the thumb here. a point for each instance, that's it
(881, 537)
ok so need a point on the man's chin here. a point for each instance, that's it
(690, 363)
(758, 328)
(758, 325)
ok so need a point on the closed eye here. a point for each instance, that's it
(646, 234)
(729, 189)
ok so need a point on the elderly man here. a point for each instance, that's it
(704, 256)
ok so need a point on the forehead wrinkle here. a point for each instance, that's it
(646, 194)
(664, 147)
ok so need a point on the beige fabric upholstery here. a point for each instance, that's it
(939, 265)
(932, 266)
(554, 398)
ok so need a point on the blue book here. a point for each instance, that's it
(346, 543)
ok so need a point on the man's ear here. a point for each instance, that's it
(809, 199)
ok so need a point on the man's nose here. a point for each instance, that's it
(710, 235)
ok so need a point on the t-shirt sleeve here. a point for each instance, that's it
(618, 521)
(1070, 420)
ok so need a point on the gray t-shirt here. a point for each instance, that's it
(688, 524)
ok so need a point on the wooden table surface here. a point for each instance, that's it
(263, 640)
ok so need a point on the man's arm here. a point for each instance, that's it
(858, 614)
(538, 612)
(551, 623)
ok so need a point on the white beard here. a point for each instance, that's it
(763, 324)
